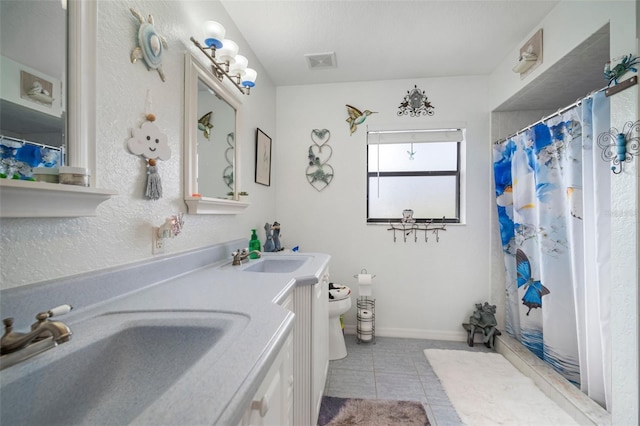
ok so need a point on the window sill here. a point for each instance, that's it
(19, 198)
(204, 205)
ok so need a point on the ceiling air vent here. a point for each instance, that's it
(321, 60)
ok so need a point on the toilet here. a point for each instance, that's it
(339, 303)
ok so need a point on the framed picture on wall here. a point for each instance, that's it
(263, 158)
(36, 89)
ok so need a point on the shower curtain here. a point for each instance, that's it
(553, 197)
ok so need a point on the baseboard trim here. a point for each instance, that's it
(412, 333)
(583, 409)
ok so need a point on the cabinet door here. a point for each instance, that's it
(320, 351)
(273, 403)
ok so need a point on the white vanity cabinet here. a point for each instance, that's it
(273, 402)
(311, 349)
(320, 343)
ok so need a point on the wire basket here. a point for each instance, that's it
(366, 320)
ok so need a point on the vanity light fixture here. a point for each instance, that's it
(224, 57)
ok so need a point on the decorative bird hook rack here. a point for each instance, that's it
(408, 228)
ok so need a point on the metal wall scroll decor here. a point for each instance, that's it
(319, 173)
(620, 147)
(415, 104)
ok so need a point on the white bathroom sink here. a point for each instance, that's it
(114, 367)
(276, 265)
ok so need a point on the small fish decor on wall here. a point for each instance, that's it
(151, 144)
(617, 67)
(356, 117)
(204, 124)
(150, 44)
(319, 173)
(415, 104)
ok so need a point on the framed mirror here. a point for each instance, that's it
(75, 33)
(211, 156)
(34, 88)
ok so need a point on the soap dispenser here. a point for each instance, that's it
(254, 244)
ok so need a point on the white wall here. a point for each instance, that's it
(560, 38)
(34, 250)
(421, 289)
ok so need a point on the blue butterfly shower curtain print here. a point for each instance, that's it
(553, 197)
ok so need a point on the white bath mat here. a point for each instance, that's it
(486, 390)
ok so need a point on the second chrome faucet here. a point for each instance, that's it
(241, 255)
(19, 346)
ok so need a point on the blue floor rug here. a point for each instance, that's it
(336, 411)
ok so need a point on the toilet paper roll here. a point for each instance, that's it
(365, 314)
(364, 279)
(365, 331)
(365, 337)
(365, 325)
(365, 290)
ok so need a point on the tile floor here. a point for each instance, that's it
(395, 368)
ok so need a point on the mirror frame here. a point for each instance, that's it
(193, 71)
(21, 199)
(81, 98)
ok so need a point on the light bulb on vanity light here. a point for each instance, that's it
(227, 52)
(239, 65)
(214, 33)
(249, 78)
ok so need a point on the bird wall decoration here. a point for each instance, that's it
(204, 124)
(356, 117)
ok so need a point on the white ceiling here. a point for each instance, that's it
(398, 39)
(383, 40)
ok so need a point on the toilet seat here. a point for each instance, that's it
(339, 293)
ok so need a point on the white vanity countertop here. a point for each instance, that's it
(219, 387)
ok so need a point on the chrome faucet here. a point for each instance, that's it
(240, 255)
(54, 332)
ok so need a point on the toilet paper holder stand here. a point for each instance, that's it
(363, 271)
(366, 320)
(366, 314)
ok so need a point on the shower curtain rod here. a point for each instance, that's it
(23, 141)
(543, 119)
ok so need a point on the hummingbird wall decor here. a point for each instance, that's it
(356, 117)
(204, 124)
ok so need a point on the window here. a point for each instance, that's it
(417, 170)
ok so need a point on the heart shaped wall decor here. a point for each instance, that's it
(319, 173)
